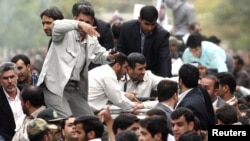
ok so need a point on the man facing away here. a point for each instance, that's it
(64, 75)
(146, 36)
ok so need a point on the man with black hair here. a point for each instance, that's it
(146, 36)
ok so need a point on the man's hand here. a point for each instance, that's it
(89, 29)
(105, 115)
(131, 96)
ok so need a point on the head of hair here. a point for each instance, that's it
(52, 12)
(91, 123)
(214, 39)
(116, 28)
(22, 57)
(190, 136)
(214, 78)
(226, 78)
(83, 7)
(239, 60)
(123, 121)
(156, 111)
(166, 89)
(134, 58)
(126, 135)
(189, 75)
(185, 112)
(227, 114)
(121, 59)
(7, 66)
(34, 95)
(152, 125)
(194, 40)
(149, 13)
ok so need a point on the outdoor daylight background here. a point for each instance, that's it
(21, 27)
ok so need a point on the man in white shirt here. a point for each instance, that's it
(103, 85)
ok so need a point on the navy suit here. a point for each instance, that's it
(156, 46)
(7, 121)
(200, 103)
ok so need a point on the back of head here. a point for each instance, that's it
(134, 58)
(121, 59)
(83, 7)
(226, 114)
(123, 121)
(166, 89)
(126, 135)
(34, 95)
(22, 57)
(156, 112)
(52, 12)
(190, 136)
(185, 112)
(149, 13)
(189, 75)
(194, 40)
(226, 78)
(91, 123)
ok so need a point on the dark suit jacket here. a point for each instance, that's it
(156, 49)
(200, 103)
(7, 122)
(168, 112)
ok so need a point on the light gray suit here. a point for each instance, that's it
(59, 63)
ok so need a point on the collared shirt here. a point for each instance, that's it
(231, 100)
(96, 139)
(15, 105)
(181, 96)
(103, 86)
(80, 62)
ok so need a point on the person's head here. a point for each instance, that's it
(32, 98)
(190, 136)
(24, 68)
(211, 84)
(238, 63)
(136, 66)
(174, 43)
(214, 39)
(38, 130)
(182, 119)
(52, 117)
(167, 89)
(153, 128)
(8, 77)
(83, 11)
(194, 28)
(194, 44)
(203, 70)
(69, 129)
(88, 127)
(226, 115)
(126, 121)
(148, 18)
(156, 112)
(126, 135)
(227, 84)
(188, 76)
(120, 65)
(48, 16)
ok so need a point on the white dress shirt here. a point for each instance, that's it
(103, 86)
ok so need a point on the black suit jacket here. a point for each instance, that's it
(199, 102)
(156, 46)
(7, 122)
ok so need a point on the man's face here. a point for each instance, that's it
(69, 131)
(145, 135)
(9, 81)
(80, 133)
(138, 72)
(180, 125)
(47, 25)
(196, 52)
(122, 70)
(147, 27)
(208, 84)
(135, 128)
(24, 71)
(86, 19)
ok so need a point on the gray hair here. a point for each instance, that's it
(6, 66)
